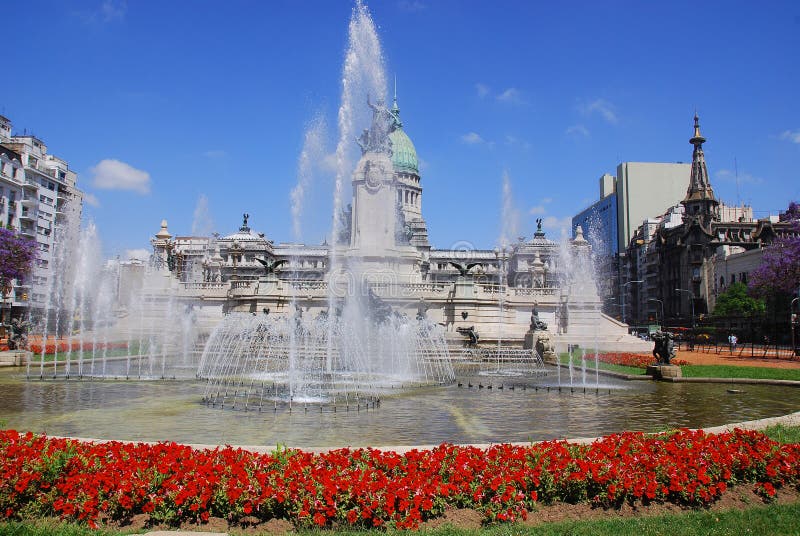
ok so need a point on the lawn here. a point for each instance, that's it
(771, 519)
(729, 371)
(689, 371)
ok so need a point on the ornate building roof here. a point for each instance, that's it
(404, 155)
(244, 234)
(699, 185)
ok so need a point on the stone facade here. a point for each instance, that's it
(386, 253)
(677, 256)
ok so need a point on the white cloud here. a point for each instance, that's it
(111, 174)
(554, 223)
(538, 210)
(141, 254)
(215, 153)
(726, 175)
(482, 89)
(547, 200)
(513, 141)
(111, 10)
(472, 138)
(792, 136)
(412, 5)
(605, 109)
(91, 199)
(511, 95)
(578, 130)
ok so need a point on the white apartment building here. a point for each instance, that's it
(41, 201)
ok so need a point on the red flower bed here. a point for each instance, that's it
(41, 476)
(61, 346)
(632, 360)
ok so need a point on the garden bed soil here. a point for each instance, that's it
(734, 498)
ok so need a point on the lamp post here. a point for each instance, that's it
(792, 319)
(661, 303)
(624, 291)
(691, 301)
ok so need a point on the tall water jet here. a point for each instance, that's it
(509, 229)
(202, 222)
(312, 153)
(362, 75)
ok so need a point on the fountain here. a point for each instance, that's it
(319, 345)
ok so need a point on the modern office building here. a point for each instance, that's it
(599, 220)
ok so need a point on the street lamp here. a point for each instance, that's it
(624, 291)
(792, 318)
(661, 303)
(691, 300)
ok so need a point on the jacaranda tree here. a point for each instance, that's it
(17, 254)
(779, 271)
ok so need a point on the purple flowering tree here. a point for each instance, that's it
(17, 254)
(779, 271)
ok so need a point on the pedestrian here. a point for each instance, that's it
(732, 340)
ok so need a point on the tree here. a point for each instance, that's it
(17, 254)
(736, 302)
(780, 266)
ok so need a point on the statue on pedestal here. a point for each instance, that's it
(664, 349)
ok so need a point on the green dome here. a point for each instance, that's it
(404, 155)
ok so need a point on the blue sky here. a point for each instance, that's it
(195, 111)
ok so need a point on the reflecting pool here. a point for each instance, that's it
(534, 409)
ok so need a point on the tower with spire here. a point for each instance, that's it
(700, 205)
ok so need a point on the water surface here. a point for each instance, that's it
(172, 410)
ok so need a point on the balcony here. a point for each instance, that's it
(41, 168)
(28, 215)
(29, 203)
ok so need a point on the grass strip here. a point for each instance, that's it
(772, 519)
(730, 371)
(623, 369)
(782, 433)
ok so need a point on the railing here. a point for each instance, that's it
(241, 284)
(536, 291)
(40, 167)
(493, 289)
(307, 285)
(412, 288)
(204, 286)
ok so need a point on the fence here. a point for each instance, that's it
(755, 337)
